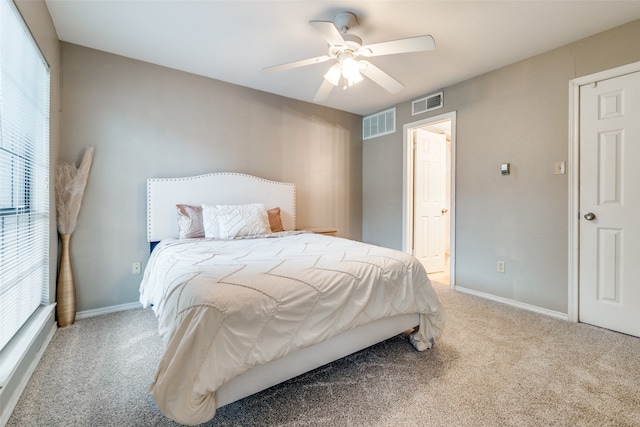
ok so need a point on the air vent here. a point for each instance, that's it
(428, 103)
(382, 123)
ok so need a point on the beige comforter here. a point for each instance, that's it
(226, 306)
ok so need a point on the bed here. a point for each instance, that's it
(239, 313)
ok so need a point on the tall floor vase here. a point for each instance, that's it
(66, 289)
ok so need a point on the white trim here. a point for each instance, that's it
(106, 310)
(14, 353)
(407, 188)
(574, 200)
(513, 303)
(573, 309)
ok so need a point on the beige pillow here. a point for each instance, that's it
(275, 221)
(190, 224)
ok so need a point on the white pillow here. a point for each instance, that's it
(227, 221)
(210, 221)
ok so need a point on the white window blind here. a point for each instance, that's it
(24, 174)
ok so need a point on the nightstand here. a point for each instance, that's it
(323, 230)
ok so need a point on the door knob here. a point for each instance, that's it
(444, 211)
(589, 216)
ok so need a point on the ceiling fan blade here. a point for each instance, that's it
(329, 31)
(296, 64)
(383, 79)
(324, 91)
(411, 44)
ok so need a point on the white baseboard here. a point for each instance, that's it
(105, 310)
(514, 303)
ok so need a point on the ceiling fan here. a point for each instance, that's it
(347, 48)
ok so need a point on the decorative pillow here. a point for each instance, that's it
(190, 221)
(230, 225)
(210, 221)
(226, 221)
(275, 221)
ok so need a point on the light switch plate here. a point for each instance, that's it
(560, 168)
(505, 169)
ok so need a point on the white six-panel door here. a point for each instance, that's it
(609, 260)
(430, 204)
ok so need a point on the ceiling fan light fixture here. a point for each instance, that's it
(333, 75)
(356, 78)
(351, 69)
(348, 51)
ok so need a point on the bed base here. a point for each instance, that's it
(304, 360)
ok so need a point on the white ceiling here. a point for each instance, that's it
(232, 40)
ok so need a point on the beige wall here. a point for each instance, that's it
(518, 114)
(147, 121)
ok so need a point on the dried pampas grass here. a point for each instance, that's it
(70, 183)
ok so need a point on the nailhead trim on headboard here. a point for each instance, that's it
(164, 220)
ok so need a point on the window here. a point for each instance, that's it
(24, 174)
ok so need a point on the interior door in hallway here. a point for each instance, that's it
(609, 290)
(430, 204)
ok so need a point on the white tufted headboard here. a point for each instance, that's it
(163, 194)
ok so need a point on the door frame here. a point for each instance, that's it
(573, 308)
(407, 187)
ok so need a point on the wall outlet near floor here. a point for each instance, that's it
(500, 266)
(135, 268)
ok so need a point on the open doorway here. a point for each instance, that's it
(429, 195)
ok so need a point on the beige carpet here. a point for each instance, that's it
(494, 365)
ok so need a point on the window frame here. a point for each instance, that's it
(25, 146)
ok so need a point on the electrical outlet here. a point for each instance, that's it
(135, 268)
(500, 266)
